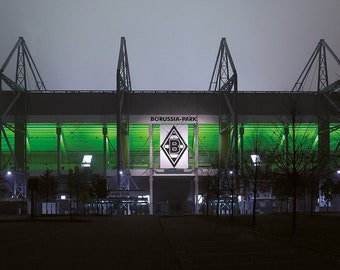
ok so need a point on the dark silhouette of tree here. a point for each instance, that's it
(328, 189)
(230, 187)
(312, 188)
(32, 184)
(337, 188)
(79, 187)
(211, 186)
(296, 158)
(47, 187)
(282, 190)
(253, 170)
(98, 187)
(220, 184)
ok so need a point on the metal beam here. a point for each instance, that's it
(19, 86)
(224, 70)
(224, 80)
(319, 53)
(123, 84)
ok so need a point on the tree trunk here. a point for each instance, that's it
(294, 210)
(311, 201)
(232, 206)
(254, 210)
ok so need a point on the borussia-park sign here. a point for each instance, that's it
(174, 118)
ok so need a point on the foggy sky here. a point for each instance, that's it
(171, 44)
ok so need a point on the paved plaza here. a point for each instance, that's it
(146, 242)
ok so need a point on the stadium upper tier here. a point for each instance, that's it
(101, 106)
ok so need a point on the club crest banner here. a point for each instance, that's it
(174, 146)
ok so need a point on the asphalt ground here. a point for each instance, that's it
(146, 242)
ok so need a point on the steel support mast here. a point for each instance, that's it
(326, 101)
(224, 81)
(25, 68)
(123, 82)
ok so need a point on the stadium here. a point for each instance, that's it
(168, 152)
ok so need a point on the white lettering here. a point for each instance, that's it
(184, 118)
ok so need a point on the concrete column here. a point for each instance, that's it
(224, 144)
(58, 131)
(286, 132)
(151, 168)
(104, 150)
(324, 151)
(20, 144)
(0, 138)
(241, 147)
(196, 179)
(151, 192)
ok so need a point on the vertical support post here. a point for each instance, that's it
(58, 131)
(0, 144)
(224, 143)
(151, 180)
(119, 131)
(104, 150)
(196, 179)
(20, 143)
(286, 132)
(323, 136)
(1, 106)
(241, 147)
(235, 125)
(123, 86)
(151, 167)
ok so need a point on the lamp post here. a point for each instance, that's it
(256, 162)
(231, 179)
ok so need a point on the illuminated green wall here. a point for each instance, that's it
(79, 139)
(268, 135)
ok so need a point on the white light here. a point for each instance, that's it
(120, 172)
(9, 173)
(141, 197)
(256, 159)
(86, 161)
(338, 172)
(63, 197)
(231, 172)
(85, 165)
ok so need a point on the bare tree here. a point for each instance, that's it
(296, 158)
(47, 187)
(79, 186)
(230, 187)
(253, 170)
(329, 190)
(212, 189)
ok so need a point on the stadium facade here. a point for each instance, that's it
(163, 152)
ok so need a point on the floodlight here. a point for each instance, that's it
(86, 161)
(256, 159)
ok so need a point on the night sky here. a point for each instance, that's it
(171, 45)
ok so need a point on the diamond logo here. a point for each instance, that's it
(174, 146)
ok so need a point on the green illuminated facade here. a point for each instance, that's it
(79, 139)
